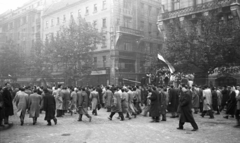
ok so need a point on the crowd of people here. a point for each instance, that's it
(128, 101)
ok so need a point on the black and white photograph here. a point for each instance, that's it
(119, 71)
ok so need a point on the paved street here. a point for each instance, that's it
(139, 130)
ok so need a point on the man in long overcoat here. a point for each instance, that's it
(1, 108)
(214, 100)
(74, 100)
(185, 102)
(237, 114)
(163, 103)
(59, 101)
(195, 99)
(82, 104)
(154, 108)
(35, 101)
(22, 101)
(231, 103)
(7, 99)
(116, 105)
(95, 99)
(207, 102)
(125, 103)
(49, 107)
(173, 101)
(108, 99)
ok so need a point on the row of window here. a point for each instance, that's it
(64, 19)
(104, 61)
(170, 5)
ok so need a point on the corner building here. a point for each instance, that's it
(130, 30)
(189, 11)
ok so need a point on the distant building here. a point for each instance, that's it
(189, 11)
(130, 30)
(23, 25)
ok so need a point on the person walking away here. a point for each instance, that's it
(1, 108)
(82, 104)
(147, 104)
(219, 94)
(94, 96)
(201, 99)
(131, 103)
(154, 108)
(8, 105)
(59, 101)
(34, 104)
(207, 102)
(237, 114)
(214, 100)
(163, 103)
(108, 98)
(225, 98)
(186, 115)
(195, 99)
(74, 101)
(49, 107)
(138, 102)
(22, 100)
(173, 101)
(231, 103)
(116, 105)
(125, 103)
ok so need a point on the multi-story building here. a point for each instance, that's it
(130, 31)
(23, 25)
(190, 10)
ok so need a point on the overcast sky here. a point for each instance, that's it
(10, 4)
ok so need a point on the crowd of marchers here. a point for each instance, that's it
(128, 101)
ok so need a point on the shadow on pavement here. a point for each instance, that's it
(6, 127)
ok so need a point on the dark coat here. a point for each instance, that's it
(185, 104)
(163, 102)
(49, 106)
(1, 106)
(225, 97)
(173, 100)
(66, 99)
(155, 104)
(214, 100)
(232, 103)
(8, 105)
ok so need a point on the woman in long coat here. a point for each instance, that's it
(125, 105)
(195, 99)
(173, 101)
(94, 97)
(49, 107)
(154, 108)
(35, 101)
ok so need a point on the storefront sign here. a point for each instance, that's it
(100, 72)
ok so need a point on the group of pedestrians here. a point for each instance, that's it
(127, 101)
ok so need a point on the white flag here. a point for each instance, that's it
(171, 68)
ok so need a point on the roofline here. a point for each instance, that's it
(66, 7)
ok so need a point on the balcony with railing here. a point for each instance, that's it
(197, 8)
(129, 31)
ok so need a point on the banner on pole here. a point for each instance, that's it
(171, 68)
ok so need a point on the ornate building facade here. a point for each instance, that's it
(190, 10)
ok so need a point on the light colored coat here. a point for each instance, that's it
(94, 96)
(34, 104)
(207, 103)
(21, 99)
(59, 99)
(117, 106)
